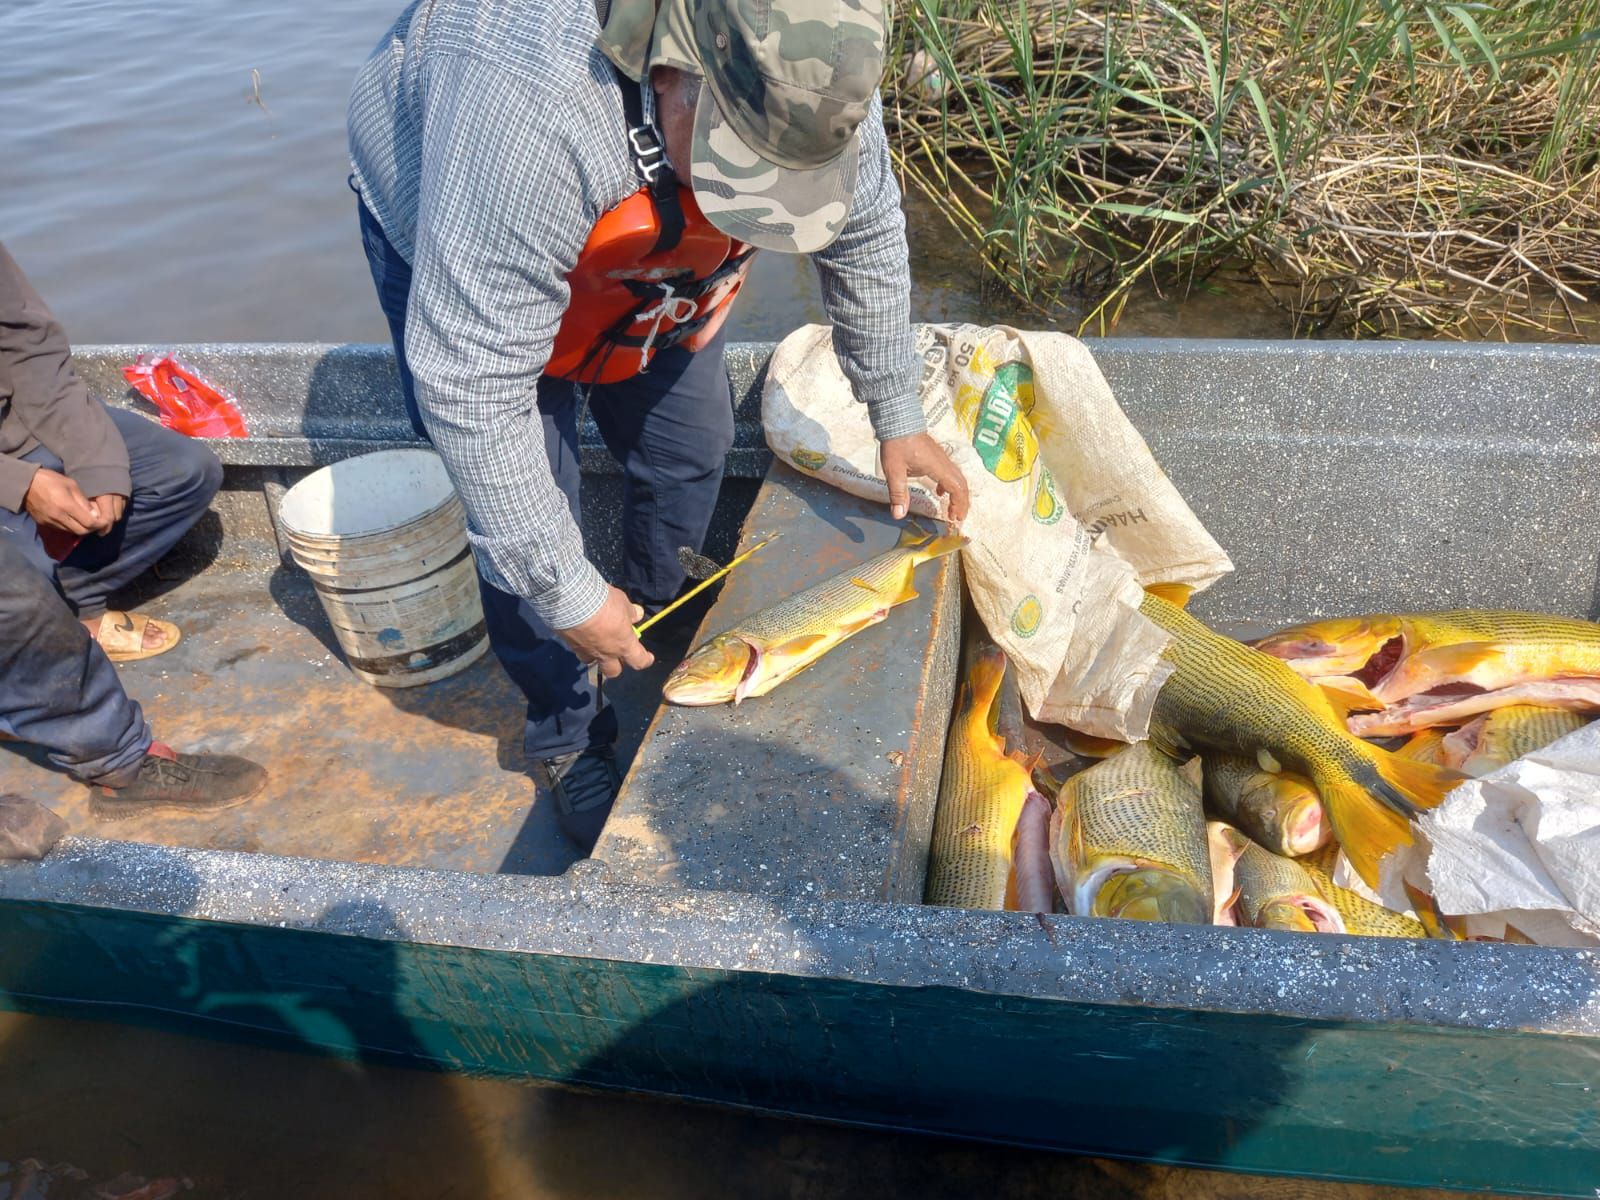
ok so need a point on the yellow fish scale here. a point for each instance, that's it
(1522, 629)
(1509, 733)
(1227, 696)
(1135, 805)
(981, 794)
(1362, 915)
(836, 604)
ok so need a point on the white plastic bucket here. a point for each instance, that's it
(384, 539)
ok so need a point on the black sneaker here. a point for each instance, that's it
(584, 784)
(198, 783)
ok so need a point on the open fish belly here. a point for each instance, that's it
(1453, 708)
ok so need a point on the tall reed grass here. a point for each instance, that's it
(1381, 165)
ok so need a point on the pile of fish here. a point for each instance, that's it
(1255, 778)
(1265, 767)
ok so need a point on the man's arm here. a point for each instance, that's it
(501, 219)
(866, 289)
(49, 398)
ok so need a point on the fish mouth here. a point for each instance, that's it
(1306, 830)
(724, 669)
(1303, 914)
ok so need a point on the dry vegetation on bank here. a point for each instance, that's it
(1384, 166)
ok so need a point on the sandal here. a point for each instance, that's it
(121, 636)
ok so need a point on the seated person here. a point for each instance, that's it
(107, 493)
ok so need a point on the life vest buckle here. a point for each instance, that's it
(648, 155)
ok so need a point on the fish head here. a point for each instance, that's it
(718, 672)
(1289, 803)
(1302, 913)
(1152, 894)
(1340, 646)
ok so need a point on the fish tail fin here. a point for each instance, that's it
(1420, 785)
(1438, 925)
(912, 534)
(1175, 594)
(982, 692)
(1368, 829)
(937, 547)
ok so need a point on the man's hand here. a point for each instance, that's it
(919, 454)
(607, 638)
(111, 507)
(54, 500)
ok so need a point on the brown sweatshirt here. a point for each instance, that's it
(43, 402)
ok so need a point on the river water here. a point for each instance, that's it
(174, 171)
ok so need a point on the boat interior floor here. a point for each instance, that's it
(427, 777)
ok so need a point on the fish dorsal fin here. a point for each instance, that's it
(1191, 771)
(1175, 594)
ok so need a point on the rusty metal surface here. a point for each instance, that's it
(826, 787)
(429, 776)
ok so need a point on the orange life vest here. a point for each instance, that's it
(631, 300)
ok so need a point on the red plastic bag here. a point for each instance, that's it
(188, 402)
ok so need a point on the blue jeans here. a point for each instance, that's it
(57, 688)
(670, 428)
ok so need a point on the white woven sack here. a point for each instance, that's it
(1070, 513)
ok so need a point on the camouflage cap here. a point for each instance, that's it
(787, 84)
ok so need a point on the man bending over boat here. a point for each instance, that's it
(551, 207)
(89, 498)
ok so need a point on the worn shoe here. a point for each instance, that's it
(584, 785)
(198, 783)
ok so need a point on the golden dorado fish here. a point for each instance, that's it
(1129, 840)
(981, 797)
(1281, 811)
(1439, 668)
(1489, 742)
(1361, 915)
(1223, 695)
(1278, 893)
(777, 643)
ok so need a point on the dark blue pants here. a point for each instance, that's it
(57, 688)
(670, 429)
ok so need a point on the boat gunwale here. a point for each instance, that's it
(1382, 982)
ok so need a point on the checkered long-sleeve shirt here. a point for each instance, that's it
(487, 137)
